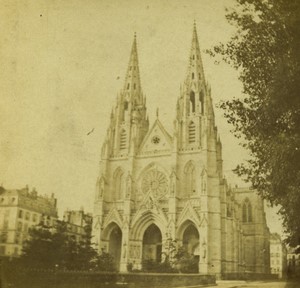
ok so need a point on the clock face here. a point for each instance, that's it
(156, 182)
(155, 139)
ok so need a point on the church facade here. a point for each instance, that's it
(155, 187)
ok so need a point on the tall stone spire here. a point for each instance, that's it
(129, 122)
(195, 71)
(194, 105)
(132, 79)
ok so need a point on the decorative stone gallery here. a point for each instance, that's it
(154, 186)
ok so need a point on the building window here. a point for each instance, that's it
(19, 227)
(201, 98)
(192, 101)
(247, 211)
(20, 214)
(134, 86)
(3, 237)
(190, 178)
(119, 183)
(125, 106)
(128, 86)
(25, 230)
(17, 238)
(27, 216)
(123, 140)
(192, 133)
(2, 250)
(34, 217)
(193, 75)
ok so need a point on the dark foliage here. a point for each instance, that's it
(185, 262)
(153, 266)
(105, 262)
(266, 118)
(55, 248)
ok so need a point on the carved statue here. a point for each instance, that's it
(101, 188)
(124, 250)
(173, 181)
(204, 249)
(128, 185)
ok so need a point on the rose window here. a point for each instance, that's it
(156, 182)
(155, 140)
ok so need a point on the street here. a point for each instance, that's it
(260, 284)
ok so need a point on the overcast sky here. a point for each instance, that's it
(63, 63)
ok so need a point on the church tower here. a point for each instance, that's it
(114, 191)
(199, 159)
(128, 124)
(157, 188)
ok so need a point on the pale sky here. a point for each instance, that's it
(61, 61)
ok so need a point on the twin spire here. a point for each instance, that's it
(195, 68)
(132, 79)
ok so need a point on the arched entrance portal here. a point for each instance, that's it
(190, 240)
(152, 244)
(115, 245)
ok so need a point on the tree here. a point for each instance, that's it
(266, 118)
(185, 262)
(38, 251)
(53, 247)
(105, 262)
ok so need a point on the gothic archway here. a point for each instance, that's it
(190, 179)
(115, 244)
(119, 184)
(152, 244)
(190, 239)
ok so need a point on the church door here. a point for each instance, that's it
(152, 244)
(115, 244)
(191, 244)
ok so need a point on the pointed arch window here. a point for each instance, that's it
(123, 140)
(118, 184)
(125, 106)
(192, 101)
(192, 133)
(128, 86)
(190, 178)
(193, 75)
(201, 99)
(247, 211)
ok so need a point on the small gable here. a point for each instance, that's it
(157, 140)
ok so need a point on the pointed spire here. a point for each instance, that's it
(195, 69)
(132, 79)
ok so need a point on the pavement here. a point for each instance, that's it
(259, 284)
(250, 284)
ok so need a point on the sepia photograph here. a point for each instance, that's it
(149, 143)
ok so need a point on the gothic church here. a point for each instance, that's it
(155, 186)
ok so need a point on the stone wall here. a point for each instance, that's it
(75, 279)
